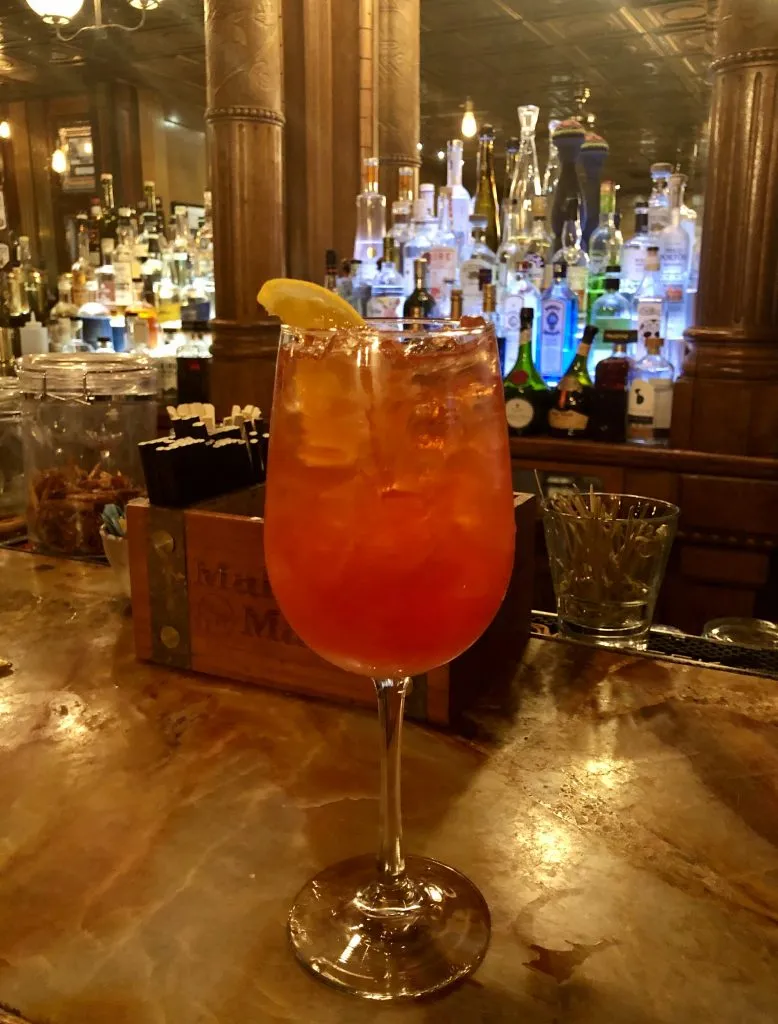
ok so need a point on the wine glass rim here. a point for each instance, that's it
(665, 511)
(429, 327)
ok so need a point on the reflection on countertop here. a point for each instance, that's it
(619, 814)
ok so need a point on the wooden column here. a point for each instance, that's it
(329, 122)
(398, 90)
(727, 399)
(243, 51)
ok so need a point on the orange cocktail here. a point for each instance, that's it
(389, 520)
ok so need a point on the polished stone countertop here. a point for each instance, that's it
(620, 816)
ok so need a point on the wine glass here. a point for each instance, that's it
(389, 536)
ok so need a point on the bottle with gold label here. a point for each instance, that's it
(526, 393)
(572, 401)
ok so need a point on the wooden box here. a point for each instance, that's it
(202, 601)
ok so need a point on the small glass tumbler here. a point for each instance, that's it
(608, 554)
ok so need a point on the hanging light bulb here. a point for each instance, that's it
(469, 126)
(59, 162)
(145, 5)
(5, 130)
(56, 12)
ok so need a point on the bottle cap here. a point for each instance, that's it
(526, 317)
(560, 270)
(484, 277)
(490, 297)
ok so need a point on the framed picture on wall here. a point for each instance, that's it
(194, 213)
(76, 141)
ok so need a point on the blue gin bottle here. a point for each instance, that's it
(559, 319)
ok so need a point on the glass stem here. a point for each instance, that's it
(391, 703)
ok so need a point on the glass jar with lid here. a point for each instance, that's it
(12, 497)
(82, 418)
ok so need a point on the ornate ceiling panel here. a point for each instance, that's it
(645, 63)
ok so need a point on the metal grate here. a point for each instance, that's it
(688, 649)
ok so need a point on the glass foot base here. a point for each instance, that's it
(420, 937)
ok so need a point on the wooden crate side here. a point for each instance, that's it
(137, 540)
(236, 628)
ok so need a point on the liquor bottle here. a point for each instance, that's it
(525, 185)
(592, 157)
(443, 255)
(140, 318)
(611, 312)
(486, 190)
(526, 393)
(420, 303)
(343, 282)
(511, 248)
(573, 255)
(427, 195)
(406, 185)
(512, 147)
(659, 200)
(538, 251)
(481, 258)
(401, 230)
(650, 402)
(573, 400)
(559, 311)
(490, 314)
(331, 270)
(122, 261)
(568, 138)
(387, 291)
(62, 314)
(611, 387)
(5, 233)
(458, 195)
(108, 218)
(689, 220)
(106, 288)
(34, 282)
(17, 298)
(151, 267)
(167, 294)
(674, 262)
(371, 219)
(84, 284)
(360, 288)
(519, 294)
(633, 255)
(604, 247)
(94, 226)
(419, 244)
(553, 167)
(149, 197)
(649, 302)
(456, 304)
(181, 267)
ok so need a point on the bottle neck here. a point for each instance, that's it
(454, 166)
(486, 160)
(525, 346)
(571, 234)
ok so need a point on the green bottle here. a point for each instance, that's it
(526, 393)
(572, 401)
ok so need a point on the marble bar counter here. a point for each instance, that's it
(620, 815)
